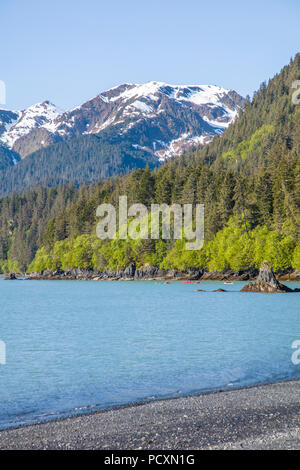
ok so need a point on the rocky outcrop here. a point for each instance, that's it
(266, 282)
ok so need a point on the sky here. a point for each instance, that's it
(68, 51)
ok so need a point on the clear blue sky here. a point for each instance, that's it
(68, 50)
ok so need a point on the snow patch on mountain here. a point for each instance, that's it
(148, 90)
(177, 146)
(141, 106)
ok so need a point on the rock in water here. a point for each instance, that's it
(267, 276)
(266, 282)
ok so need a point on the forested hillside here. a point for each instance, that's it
(248, 180)
(84, 159)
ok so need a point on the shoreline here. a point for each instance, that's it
(225, 421)
(152, 273)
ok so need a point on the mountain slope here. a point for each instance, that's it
(268, 128)
(84, 159)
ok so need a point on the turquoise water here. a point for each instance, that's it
(73, 347)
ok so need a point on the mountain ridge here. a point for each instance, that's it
(176, 117)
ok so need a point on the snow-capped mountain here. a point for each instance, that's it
(18, 128)
(156, 117)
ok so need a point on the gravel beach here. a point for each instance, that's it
(262, 417)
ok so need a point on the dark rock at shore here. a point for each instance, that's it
(11, 277)
(289, 275)
(130, 270)
(266, 282)
(147, 272)
(226, 275)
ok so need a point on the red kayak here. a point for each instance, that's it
(191, 282)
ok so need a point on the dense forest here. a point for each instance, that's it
(248, 179)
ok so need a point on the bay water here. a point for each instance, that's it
(79, 346)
